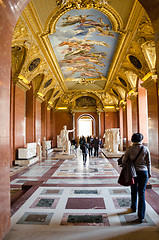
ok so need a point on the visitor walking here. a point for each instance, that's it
(96, 146)
(84, 148)
(143, 171)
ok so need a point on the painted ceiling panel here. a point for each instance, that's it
(84, 44)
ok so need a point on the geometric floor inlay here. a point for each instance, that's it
(119, 191)
(85, 203)
(85, 191)
(52, 191)
(35, 218)
(44, 203)
(85, 219)
(132, 219)
(122, 202)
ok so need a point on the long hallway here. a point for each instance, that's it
(62, 199)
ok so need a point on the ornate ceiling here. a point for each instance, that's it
(79, 54)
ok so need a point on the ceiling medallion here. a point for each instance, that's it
(85, 81)
(48, 83)
(79, 4)
(135, 61)
(122, 81)
(34, 64)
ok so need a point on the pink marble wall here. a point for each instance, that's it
(129, 121)
(53, 127)
(48, 125)
(19, 120)
(30, 118)
(153, 122)
(9, 14)
(111, 120)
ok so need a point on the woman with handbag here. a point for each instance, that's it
(142, 166)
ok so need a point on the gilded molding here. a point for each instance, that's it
(39, 98)
(149, 81)
(132, 95)
(122, 103)
(22, 85)
(124, 42)
(114, 17)
(149, 51)
(132, 78)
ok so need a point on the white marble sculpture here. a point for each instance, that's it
(44, 147)
(64, 135)
(28, 152)
(39, 152)
(112, 140)
(59, 142)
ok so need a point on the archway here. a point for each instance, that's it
(85, 125)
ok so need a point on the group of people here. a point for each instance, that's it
(88, 145)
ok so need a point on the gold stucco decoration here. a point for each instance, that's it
(149, 52)
(132, 78)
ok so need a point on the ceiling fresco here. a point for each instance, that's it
(83, 54)
(84, 44)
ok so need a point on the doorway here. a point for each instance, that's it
(86, 126)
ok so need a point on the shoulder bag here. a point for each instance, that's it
(126, 176)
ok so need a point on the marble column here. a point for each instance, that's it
(121, 127)
(153, 119)
(129, 121)
(143, 112)
(99, 124)
(9, 14)
(43, 120)
(73, 114)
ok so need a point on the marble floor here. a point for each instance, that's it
(64, 200)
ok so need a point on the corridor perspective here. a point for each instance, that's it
(68, 201)
(72, 68)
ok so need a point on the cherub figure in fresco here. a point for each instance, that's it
(105, 32)
(71, 20)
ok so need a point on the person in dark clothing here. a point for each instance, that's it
(90, 147)
(100, 143)
(96, 146)
(84, 148)
(81, 141)
(88, 139)
(143, 173)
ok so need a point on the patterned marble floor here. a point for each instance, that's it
(66, 200)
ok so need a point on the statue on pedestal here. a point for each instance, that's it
(39, 149)
(65, 139)
(44, 147)
(59, 142)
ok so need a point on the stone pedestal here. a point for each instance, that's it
(46, 148)
(28, 152)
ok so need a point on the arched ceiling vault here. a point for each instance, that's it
(74, 51)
